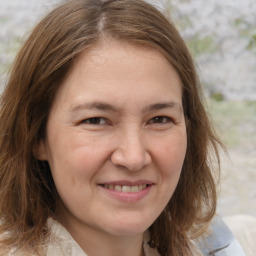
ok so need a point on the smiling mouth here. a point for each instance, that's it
(125, 188)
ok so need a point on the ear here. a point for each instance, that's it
(40, 151)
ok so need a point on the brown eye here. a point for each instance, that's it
(95, 121)
(160, 120)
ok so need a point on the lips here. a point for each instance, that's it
(126, 188)
(127, 191)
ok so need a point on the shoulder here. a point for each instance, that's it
(16, 252)
(219, 240)
(60, 242)
(244, 229)
(148, 251)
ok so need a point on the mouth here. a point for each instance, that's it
(127, 191)
(126, 188)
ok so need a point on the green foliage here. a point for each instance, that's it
(247, 31)
(183, 23)
(204, 45)
(9, 47)
(235, 121)
(217, 96)
(3, 20)
(238, 21)
(252, 43)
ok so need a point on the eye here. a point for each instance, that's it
(95, 121)
(160, 120)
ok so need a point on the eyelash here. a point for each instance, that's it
(95, 121)
(160, 120)
(103, 121)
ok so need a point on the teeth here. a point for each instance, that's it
(118, 187)
(135, 189)
(126, 189)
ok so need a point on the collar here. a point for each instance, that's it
(61, 242)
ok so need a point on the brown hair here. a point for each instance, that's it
(27, 191)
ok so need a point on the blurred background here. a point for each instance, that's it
(221, 36)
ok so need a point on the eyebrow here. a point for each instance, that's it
(94, 105)
(108, 107)
(160, 106)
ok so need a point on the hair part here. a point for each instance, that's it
(27, 191)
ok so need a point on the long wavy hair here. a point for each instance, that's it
(27, 191)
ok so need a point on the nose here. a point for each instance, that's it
(130, 151)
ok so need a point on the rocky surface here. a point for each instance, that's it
(238, 181)
(225, 31)
(17, 18)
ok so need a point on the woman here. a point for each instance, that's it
(105, 143)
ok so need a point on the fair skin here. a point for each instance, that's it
(117, 123)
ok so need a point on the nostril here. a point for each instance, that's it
(129, 159)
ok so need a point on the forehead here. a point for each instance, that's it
(108, 50)
(116, 69)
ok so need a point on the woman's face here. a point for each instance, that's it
(116, 139)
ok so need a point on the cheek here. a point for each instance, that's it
(72, 163)
(73, 169)
(78, 162)
(77, 150)
(171, 153)
(169, 157)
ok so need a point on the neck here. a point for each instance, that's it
(106, 245)
(97, 243)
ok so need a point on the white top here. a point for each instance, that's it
(62, 244)
(244, 229)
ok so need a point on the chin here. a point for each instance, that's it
(129, 227)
